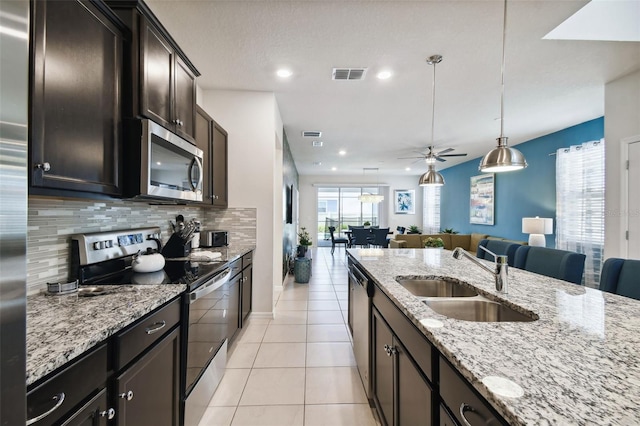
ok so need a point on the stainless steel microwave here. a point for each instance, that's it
(160, 164)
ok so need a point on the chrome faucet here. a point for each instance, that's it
(501, 273)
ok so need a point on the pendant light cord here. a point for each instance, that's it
(504, 38)
(433, 103)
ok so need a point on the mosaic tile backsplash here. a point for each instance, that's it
(51, 222)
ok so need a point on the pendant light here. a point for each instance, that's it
(432, 177)
(502, 158)
(371, 198)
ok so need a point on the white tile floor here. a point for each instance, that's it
(297, 369)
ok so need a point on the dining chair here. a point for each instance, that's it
(335, 240)
(620, 276)
(360, 237)
(500, 248)
(560, 264)
(378, 237)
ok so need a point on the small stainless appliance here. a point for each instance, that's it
(214, 238)
(161, 165)
(361, 289)
(104, 258)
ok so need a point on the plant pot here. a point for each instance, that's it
(302, 251)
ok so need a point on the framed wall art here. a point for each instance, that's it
(405, 201)
(482, 199)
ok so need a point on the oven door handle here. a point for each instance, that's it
(217, 282)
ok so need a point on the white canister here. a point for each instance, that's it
(195, 240)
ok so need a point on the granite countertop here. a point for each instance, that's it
(579, 363)
(60, 328)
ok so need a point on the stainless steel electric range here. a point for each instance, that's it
(105, 258)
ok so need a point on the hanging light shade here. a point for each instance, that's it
(431, 177)
(371, 198)
(502, 158)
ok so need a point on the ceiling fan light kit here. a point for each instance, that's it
(502, 158)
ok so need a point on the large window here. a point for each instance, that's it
(340, 207)
(431, 211)
(580, 205)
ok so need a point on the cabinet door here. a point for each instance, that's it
(93, 413)
(233, 312)
(184, 113)
(383, 367)
(413, 398)
(204, 140)
(247, 288)
(157, 58)
(219, 166)
(75, 109)
(147, 392)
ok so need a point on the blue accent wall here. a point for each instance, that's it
(525, 193)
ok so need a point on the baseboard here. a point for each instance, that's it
(278, 288)
(266, 315)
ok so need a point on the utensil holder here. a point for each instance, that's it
(176, 247)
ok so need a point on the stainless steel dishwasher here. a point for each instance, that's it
(362, 291)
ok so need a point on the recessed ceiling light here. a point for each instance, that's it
(342, 152)
(284, 73)
(408, 169)
(383, 75)
(333, 169)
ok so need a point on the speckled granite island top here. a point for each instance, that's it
(60, 328)
(579, 363)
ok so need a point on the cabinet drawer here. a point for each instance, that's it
(132, 342)
(76, 382)
(415, 342)
(456, 393)
(236, 267)
(247, 260)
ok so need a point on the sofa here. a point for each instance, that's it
(469, 242)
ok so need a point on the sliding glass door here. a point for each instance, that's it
(341, 207)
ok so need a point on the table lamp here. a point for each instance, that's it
(536, 227)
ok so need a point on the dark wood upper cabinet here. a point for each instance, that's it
(76, 81)
(162, 80)
(212, 140)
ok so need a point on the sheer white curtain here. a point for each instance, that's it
(431, 210)
(580, 204)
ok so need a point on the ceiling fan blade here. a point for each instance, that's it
(453, 155)
(440, 159)
(445, 151)
(409, 158)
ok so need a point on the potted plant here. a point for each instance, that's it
(367, 223)
(432, 242)
(413, 229)
(448, 231)
(304, 241)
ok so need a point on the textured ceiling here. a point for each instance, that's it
(549, 84)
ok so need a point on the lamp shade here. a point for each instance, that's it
(431, 178)
(502, 158)
(537, 225)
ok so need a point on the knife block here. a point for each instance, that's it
(176, 247)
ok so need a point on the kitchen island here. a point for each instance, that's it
(576, 363)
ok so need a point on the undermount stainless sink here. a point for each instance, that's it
(477, 309)
(435, 287)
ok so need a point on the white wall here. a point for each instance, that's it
(255, 168)
(309, 201)
(622, 120)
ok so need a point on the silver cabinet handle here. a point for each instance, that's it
(127, 395)
(109, 414)
(60, 398)
(463, 409)
(390, 350)
(155, 327)
(45, 167)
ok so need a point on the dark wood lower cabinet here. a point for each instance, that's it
(93, 413)
(147, 392)
(403, 396)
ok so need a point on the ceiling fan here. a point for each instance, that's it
(431, 156)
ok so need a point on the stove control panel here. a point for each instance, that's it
(100, 246)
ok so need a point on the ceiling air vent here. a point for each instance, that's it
(316, 144)
(311, 134)
(348, 73)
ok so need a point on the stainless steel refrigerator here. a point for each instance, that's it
(14, 100)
